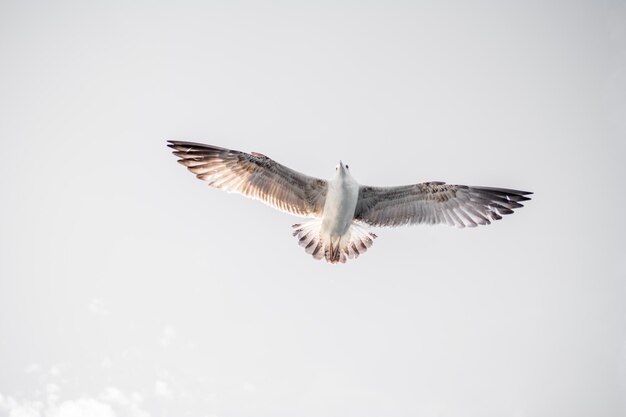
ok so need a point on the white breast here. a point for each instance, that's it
(341, 200)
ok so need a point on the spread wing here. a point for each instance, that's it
(434, 203)
(254, 175)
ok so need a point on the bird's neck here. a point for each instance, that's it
(343, 180)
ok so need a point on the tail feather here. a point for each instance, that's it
(308, 237)
(334, 249)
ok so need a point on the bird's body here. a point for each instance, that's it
(341, 199)
(338, 215)
(339, 208)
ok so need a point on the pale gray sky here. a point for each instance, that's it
(128, 288)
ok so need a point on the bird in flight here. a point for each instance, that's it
(340, 209)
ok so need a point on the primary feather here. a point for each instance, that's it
(435, 202)
(253, 175)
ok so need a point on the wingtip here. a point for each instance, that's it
(176, 144)
(171, 143)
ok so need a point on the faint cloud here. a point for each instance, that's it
(52, 388)
(32, 368)
(115, 396)
(7, 403)
(161, 389)
(84, 407)
(167, 336)
(52, 393)
(248, 387)
(128, 405)
(13, 408)
(25, 410)
(211, 397)
(106, 363)
(97, 307)
(136, 397)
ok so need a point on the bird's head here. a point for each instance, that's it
(342, 169)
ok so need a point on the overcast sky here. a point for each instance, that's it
(129, 288)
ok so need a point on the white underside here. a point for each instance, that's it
(341, 199)
(334, 236)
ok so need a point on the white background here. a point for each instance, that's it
(129, 288)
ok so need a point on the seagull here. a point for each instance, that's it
(340, 210)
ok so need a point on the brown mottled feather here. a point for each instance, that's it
(254, 175)
(435, 202)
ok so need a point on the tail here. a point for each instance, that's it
(334, 249)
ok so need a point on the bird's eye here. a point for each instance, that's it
(347, 167)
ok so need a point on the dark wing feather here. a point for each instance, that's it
(254, 175)
(434, 203)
